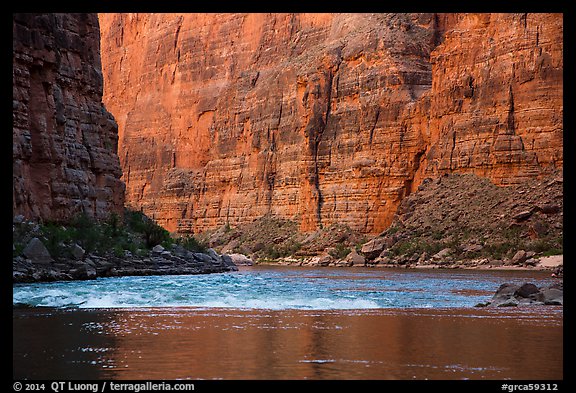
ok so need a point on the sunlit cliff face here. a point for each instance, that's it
(325, 118)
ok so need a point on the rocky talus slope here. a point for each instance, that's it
(326, 119)
(271, 239)
(64, 142)
(465, 220)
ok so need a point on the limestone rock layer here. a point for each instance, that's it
(325, 118)
(65, 158)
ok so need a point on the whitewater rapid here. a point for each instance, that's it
(270, 288)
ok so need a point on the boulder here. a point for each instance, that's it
(86, 272)
(312, 261)
(552, 296)
(325, 260)
(104, 267)
(519, 258)
(77, 251)
(19, 276)
(355, 259)
(229, 262)
(513, 295)
(526, 290)
(512, 302)
(37, 252)
(549, 208)
(240, 260)
(471, 248)
(90, 263)
(373, 248)
(201, 257)
(503, 294)
(18, 219)
(157, 249)
(442, 254)
(213, 254)
(523, 215)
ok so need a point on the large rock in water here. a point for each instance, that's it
(553, 295)
(64, 142)
(326, 117)
(514, 295)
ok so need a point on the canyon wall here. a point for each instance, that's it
(64, 141)
(325, 118)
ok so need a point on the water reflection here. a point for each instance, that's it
(59, 344)
(290, 344)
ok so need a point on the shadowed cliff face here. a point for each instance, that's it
(64, 141)
(325, 118)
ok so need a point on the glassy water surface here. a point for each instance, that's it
(285, 323)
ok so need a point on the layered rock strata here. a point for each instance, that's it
(64, 141)
(325, 118)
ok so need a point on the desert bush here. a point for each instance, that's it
(192, 244)
(340, 251)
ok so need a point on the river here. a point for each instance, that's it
(286, 323)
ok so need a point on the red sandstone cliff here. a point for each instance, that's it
(325, 117)
(495, 105)
(64, 141)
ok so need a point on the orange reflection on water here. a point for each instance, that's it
(367, 344)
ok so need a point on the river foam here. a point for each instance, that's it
(274, 289)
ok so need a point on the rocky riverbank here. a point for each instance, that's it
(466, 221)
(455, 221)
(133, 246)
(553, 264)
(41, 267)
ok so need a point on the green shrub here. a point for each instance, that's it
(153, 233)
(417, 246)
(192, 244)
(56, 238)
(437, 235)
(114, 225)
(118, 250)
(500, 249)
(547, 245)
(340, 251)
(271, 252)
(18, 248)
(275, 251)
(135, 220)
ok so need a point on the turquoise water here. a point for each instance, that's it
(280, 288)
